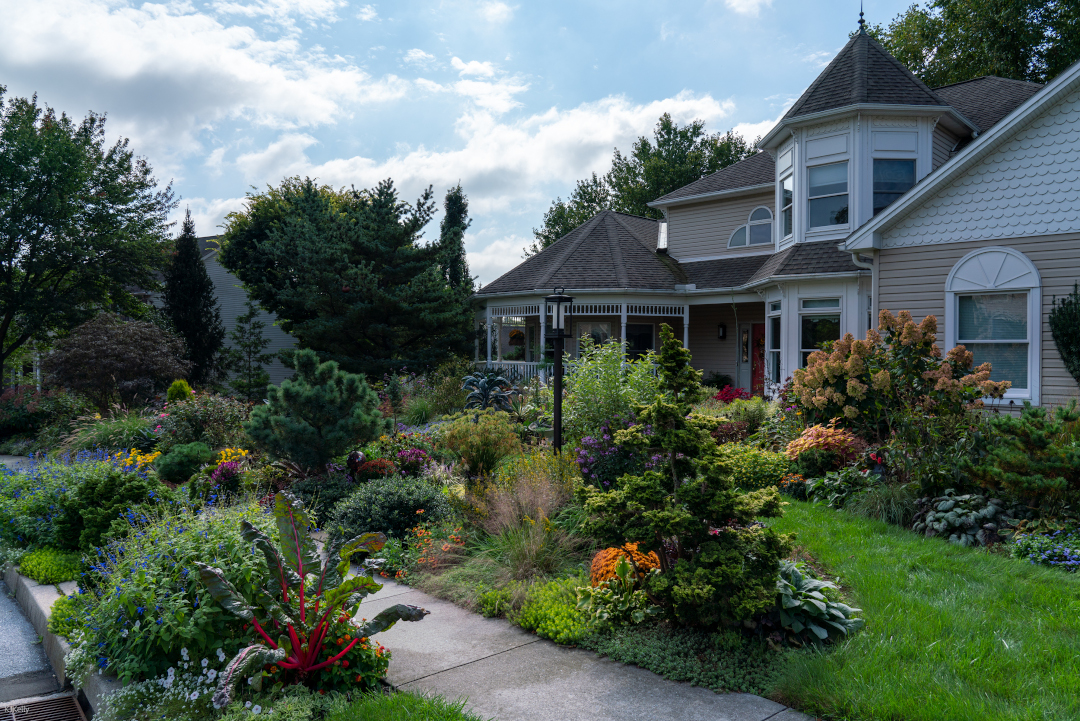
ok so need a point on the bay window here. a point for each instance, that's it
(892, 178)
(787, 196)
(818, 324)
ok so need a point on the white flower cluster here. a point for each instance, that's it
(184, 692)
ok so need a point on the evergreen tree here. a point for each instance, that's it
(347, 274)
(190, 303)
(452, 239)
(675, 156)
(1065, 327)
(247, 359)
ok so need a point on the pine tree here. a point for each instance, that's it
(190, 303)
(247, 358)
(452, 239)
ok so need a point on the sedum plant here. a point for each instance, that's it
(804, 609)
(305, 605)
(718, 564)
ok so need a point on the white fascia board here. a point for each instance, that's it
(716, 195)
(701, 259)
(869, 235)
(871, 108)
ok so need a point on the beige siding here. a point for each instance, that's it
(703, 229)
(709, 353)
(944, 142)
(913, 279)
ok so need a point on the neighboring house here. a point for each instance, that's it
(873, 191)
(231, 299)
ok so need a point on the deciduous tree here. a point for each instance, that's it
(81, 223)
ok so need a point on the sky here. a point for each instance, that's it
(514, 100)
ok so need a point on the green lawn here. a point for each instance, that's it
(951, 633)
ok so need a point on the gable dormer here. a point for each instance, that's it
(859, 137)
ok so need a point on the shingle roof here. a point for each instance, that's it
(863, 72)
(611, 250)
(800, 259)
(986, 100)
(758, 169)
(724, 272)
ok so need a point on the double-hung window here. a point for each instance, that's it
(994, 327)
(820, 323)
(993, 307)
(828, 194)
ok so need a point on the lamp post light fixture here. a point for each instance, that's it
(559, 305)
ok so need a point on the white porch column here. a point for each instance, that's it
(543, 329)
(487, 332)
(686, 326)
(622, 333)
(498, 338)
(476, 338)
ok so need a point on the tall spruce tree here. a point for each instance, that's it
(348, 274)
(452, 238)
(192, 307)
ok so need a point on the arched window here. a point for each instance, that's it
(758, 231)
(993, 307)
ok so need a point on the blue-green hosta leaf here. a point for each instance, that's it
(248, 662)
(224, 592)
(810, 604)
(386, 619)
(279, 570)
(818, 631)
(789, 602)
(293, 524)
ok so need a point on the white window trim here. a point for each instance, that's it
(825, 229)
(746, 227)
(780, 202)
(769, 350)
(839, 310)
(1030, 282)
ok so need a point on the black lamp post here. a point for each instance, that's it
(559, 305)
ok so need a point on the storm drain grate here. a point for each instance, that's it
(45, 708)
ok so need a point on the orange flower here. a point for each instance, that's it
(358, 677)
(420, 511)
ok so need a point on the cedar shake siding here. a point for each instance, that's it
(913, 279)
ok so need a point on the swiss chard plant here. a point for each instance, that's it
(297, 618)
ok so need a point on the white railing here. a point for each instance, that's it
(512, 370)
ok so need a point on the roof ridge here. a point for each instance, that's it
(907, 71)
(817, 81)
(583, 232)
(984, 77)
(611, 224)
(631, 231)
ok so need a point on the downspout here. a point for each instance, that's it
(861, 264)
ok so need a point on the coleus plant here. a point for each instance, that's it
(292, 617)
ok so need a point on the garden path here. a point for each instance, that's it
(508, 674)
(24, 669)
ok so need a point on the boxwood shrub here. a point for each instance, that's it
(390, 505)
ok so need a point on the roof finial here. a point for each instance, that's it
(862, 23)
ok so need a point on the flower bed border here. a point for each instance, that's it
(37, 600)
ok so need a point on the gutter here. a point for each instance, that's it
(800, 120)
(714, 195)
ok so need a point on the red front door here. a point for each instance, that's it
(757, 366)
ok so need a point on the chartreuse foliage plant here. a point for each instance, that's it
(178, 391)
(753, 468)
(550, 609)
(319, 413)
(305, 607)
(49, 565)
(951, 633)
(725, 563)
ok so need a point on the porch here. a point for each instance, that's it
(725, 339)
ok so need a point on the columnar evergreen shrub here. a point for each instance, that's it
(1065, 327)
(718, 564)
(320, 413)
(862, 382)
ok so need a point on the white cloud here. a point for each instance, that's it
(215, 161)
(820, 59)
(367, 13)
(498, 96)
(747, 7)
(282, 11)
(166, 73)
(496, 257)
(209, 215)
(495, 12)
(751, 131)
(282, 158)
(416, 56)
(473, 67)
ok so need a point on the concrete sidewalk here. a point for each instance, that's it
(509, 675)
(24, 669)
(13, 461)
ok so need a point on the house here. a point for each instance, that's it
(232, 299)
(873, 191)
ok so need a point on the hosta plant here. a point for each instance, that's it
(805, 611)
(307, 607)
(616, 602)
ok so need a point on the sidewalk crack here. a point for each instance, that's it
(475, 660)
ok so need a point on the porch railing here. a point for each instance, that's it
(512, 370)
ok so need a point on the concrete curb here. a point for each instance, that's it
(37, 600)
